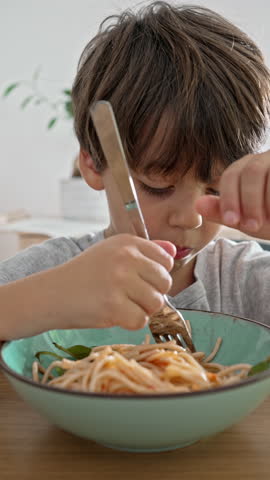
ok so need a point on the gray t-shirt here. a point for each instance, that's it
(230, 277)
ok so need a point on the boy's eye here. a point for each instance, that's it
(158, 192)
(212, 191)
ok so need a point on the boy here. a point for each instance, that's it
(191, 95)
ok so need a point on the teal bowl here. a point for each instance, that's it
(147, 422)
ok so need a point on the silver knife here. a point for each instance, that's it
(109, 137)
(106, 127)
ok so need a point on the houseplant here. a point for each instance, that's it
(77, 200)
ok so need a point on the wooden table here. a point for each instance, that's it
(32, 449)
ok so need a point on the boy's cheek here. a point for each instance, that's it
(209, 207)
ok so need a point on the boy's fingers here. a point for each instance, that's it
(154, 251)
(252, 186)
(156, 275)
(167, 246)
(147, 297)
(134, 318)
(230, 206)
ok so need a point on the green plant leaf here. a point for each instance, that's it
(259, 367)
(52, 122)
(26, 101)
(36, 73)
(76, 351)
(69, 109)
(38, 101)
(10, 88)
(52, 354)
(67, 92)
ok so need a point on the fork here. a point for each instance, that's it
(169, 323)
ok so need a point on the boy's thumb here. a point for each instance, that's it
(168, 246)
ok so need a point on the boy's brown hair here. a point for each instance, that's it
(181, 75)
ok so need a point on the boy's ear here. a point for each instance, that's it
(89, 172)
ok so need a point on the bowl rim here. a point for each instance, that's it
(158, 396)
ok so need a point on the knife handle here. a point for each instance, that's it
(107, 131)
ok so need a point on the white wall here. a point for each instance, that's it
(52, 34)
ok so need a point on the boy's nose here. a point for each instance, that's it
(185, 217)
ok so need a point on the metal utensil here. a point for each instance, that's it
(168, 323)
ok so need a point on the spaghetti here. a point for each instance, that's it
(140, 369)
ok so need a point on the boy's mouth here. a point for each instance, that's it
(182, 252)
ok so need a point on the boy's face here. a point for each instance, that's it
(169, 209)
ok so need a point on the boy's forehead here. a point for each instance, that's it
(154, 160)
(178, 172)
(152, 165)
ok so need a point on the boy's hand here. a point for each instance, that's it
(117, 282)
(244, 201)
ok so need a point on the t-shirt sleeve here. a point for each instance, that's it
(254, 279)
(243, 275)
(40, 257)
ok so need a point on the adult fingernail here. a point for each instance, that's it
(230, 218)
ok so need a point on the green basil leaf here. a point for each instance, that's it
(80, 351)
(52, 354)
(259, 367)
(76, 351)
(60, 371)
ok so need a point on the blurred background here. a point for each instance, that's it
(47, 37)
